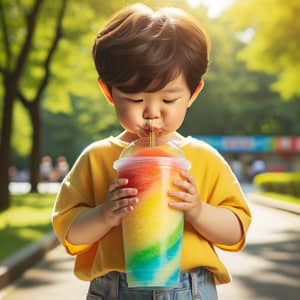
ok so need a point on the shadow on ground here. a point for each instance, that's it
(279, 276)
(47, 272)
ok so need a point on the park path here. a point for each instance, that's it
(51, 279)
(267, 269)
(269, 266)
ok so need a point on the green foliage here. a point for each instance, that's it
(27, 220)
(232, 95)
(282, 183)
(91, 120)
(234, 98)
(274, 48)
(74, 111)
(21, 140)
(72, 71)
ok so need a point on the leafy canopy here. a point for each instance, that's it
(274, 47)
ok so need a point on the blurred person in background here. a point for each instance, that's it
(61, 168)
(46, 168)
(258, 166)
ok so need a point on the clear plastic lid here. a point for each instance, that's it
(144, 147)
(165, 151)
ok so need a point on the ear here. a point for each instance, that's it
(105, 91)
(197, 92)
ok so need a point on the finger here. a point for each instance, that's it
(125, 205)
(122, 193)
(181, 195)
(122, 212)
(185, 174)
(187, 186)
(122, 203)
(117, 183)
(184, 206)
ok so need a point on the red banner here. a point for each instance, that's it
(287, 144)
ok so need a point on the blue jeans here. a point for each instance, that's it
(197, 284)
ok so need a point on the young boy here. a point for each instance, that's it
(150, 67)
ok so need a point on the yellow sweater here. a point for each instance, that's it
(86, 186)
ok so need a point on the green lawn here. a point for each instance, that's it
(282, 197)
(27, 220)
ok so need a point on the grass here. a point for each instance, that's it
(27, 220)
(283, 197)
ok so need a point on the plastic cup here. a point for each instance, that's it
(152, 233)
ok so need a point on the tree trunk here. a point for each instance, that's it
(6, 132)
(33, 105)
(36, 146)
(10, 87)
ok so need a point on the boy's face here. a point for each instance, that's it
(165, 108)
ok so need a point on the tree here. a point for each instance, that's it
(274, 46)
(33, 105)
(29, 79)
(235, 98)
(12, 69)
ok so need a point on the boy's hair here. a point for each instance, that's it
(139, 47)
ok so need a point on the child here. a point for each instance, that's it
(150, 67)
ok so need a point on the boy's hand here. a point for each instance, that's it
(120, 201)
(188, 195)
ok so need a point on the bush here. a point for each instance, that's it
(282, 183)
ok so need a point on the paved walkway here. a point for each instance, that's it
(269, 266)
(267, 269)
(51, 279)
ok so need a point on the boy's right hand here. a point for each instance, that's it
(120, 201)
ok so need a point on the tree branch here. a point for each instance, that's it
(31, 24)
(5, 38)
(57, 37)
(23, 99)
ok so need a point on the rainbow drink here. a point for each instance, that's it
(152, 233)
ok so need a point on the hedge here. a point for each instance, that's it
(282, 183)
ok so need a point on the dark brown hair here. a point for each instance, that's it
(139, 47)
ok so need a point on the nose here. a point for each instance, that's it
(151, 111)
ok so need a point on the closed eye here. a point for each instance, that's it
(168, 101)
(134, 100)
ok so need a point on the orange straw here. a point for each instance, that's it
(152, 135)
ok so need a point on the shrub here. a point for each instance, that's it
(282, 183)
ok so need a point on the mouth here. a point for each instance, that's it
(149, 129)
(147, 132)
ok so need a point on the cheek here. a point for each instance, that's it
(177, 115)
(120, 112)
(125, 116)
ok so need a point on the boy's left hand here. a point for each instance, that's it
(188, 196)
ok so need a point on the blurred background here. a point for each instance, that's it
(51, 108)
(51, 105)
